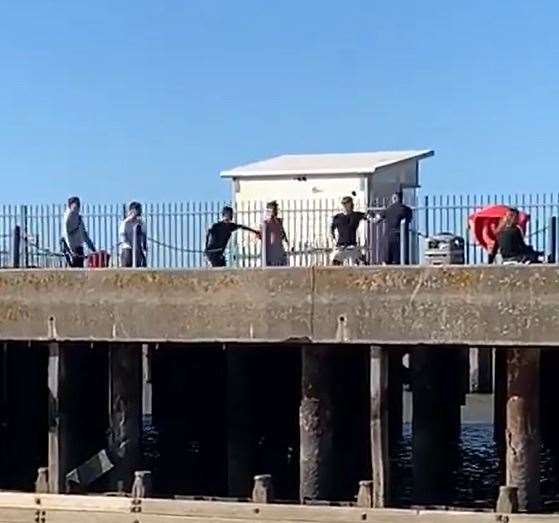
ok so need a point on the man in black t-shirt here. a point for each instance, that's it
(346, 224)
(393, 216)
(218, 237)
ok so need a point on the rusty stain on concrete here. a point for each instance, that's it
(479, 305)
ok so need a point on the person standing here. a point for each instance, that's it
(74, 234)
(345, 224)
(393, 216)
(133, 238)
(218, 237)
(273, 235)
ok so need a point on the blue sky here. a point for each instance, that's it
(142, 99)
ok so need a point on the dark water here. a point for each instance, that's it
(475, 480)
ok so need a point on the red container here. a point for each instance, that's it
(98, 260)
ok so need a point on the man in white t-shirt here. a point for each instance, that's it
(133, 238)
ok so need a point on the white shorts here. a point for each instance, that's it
(352, 254)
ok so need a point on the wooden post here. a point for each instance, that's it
(481, 371)
(507, 502)
(523, 430)
(365, 494)
(379, 426)
(315, 424)
(141, 488)
(395, 395)
(59, 440)
(125, 412)
(500, 407)
(437, 395)
(263, 491)
(42, 481)
(241, 421)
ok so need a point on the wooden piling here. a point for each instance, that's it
(263, 491)
(241, 419)
(60, 444)
(77, 409)
(481, 370)
(523, 431)
(379, 426)
(437, 395)
(125, 412)
(142, 487)
(315, 424)
(507, 502)
(395, 395)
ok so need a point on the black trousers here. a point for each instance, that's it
(77, 258)
(127, 260)
(391, 248)
(216, 259)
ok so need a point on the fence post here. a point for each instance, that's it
(370, 237)
(16, 254)
(427, 216)
(553, 240)
(25, 231)
(264, 243)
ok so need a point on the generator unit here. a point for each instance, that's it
(444, 249)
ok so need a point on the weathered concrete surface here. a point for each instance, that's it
(479, 306)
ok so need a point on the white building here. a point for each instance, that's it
(309, 188)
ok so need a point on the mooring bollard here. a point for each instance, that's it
(263, 491)
(507, 503)
(365, 494)
(42, 482)
(142, 484)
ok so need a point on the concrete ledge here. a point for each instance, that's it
(69, 509)
(392, 305)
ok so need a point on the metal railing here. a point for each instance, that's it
(176, 232)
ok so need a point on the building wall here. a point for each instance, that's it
(311, 188)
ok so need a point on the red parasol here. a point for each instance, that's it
(484, 222)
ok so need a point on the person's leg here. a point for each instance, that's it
(216, 259)
(126, 258)
(394, 249)
(78, 259)
(337, 257)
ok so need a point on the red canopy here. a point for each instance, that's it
(484, 222)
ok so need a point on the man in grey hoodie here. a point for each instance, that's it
(75, 234)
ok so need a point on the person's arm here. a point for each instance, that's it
(333, 228)
(409, 216)
(520, 245)
(144, 237)
(493, 253)
(208, 234)
(379, 217)
(86, 237)
(249, 229)
(283, 234)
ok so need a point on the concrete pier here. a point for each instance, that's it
(257, 371)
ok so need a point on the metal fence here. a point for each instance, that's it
(177, 231)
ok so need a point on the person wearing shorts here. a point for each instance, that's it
(344, 233)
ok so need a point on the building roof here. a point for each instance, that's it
(321, 164)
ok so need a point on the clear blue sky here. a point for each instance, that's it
(150, 99)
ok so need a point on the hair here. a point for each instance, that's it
(272, 205)
(510, 219)
(398, 196)
(226, 210)
(135, 206)
(73, 200)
